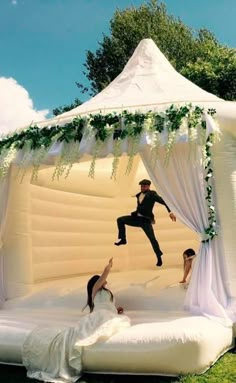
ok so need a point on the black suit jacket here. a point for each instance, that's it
(145, 207)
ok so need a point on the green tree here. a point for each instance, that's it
(197, 55)
(215, 68)
(66, 108)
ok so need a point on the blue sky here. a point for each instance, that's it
(43, 43)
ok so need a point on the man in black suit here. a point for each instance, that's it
(143, 217)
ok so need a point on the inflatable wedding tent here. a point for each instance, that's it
(65, 181)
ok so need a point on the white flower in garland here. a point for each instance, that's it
(109, 128)
(88, 129)
(192, 134)
(133, 149)
(210, 144)
(155, 146)
(25, 161)
(148, 123)
(202, 135)
(38, 157)
(74, 155)
(69, 155)
(116, 160)
(170, 145)
(6, 157)
(183, 129)
(97, 148)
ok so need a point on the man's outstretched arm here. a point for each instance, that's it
(160, 200)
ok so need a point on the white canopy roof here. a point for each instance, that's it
(147, 81)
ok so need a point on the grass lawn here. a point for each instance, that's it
(224, 371)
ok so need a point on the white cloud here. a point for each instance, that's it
(16, 107)
(14, 2)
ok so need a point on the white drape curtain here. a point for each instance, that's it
(181, 184)
(4, 186)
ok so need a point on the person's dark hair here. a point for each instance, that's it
(90, 285)
(189, 252)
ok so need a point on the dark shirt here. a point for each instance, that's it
(146, 206)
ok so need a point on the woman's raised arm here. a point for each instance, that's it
(100, 282)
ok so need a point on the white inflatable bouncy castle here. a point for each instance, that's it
(65, 182)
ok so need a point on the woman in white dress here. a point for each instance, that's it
(54, 354)
(99, 297)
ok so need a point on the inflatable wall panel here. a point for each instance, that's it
(67, 232)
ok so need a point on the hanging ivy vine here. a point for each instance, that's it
(36, 142)
(210, 232)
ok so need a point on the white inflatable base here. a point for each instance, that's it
(163, 338)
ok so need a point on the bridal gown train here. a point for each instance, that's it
(54, 354)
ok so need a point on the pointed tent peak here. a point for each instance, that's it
(148, 55)
(147, 82)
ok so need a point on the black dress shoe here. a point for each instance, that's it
(120, 242)
(159, 260)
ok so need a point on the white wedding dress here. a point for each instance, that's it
(54, 354)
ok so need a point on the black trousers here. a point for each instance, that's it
(144, 223)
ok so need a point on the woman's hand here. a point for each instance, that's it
(120, 310)
(172, 217)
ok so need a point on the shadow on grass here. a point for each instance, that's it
(126, 379)
(17, 374)
(224, 370)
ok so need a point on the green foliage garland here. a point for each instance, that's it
(210, 232)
